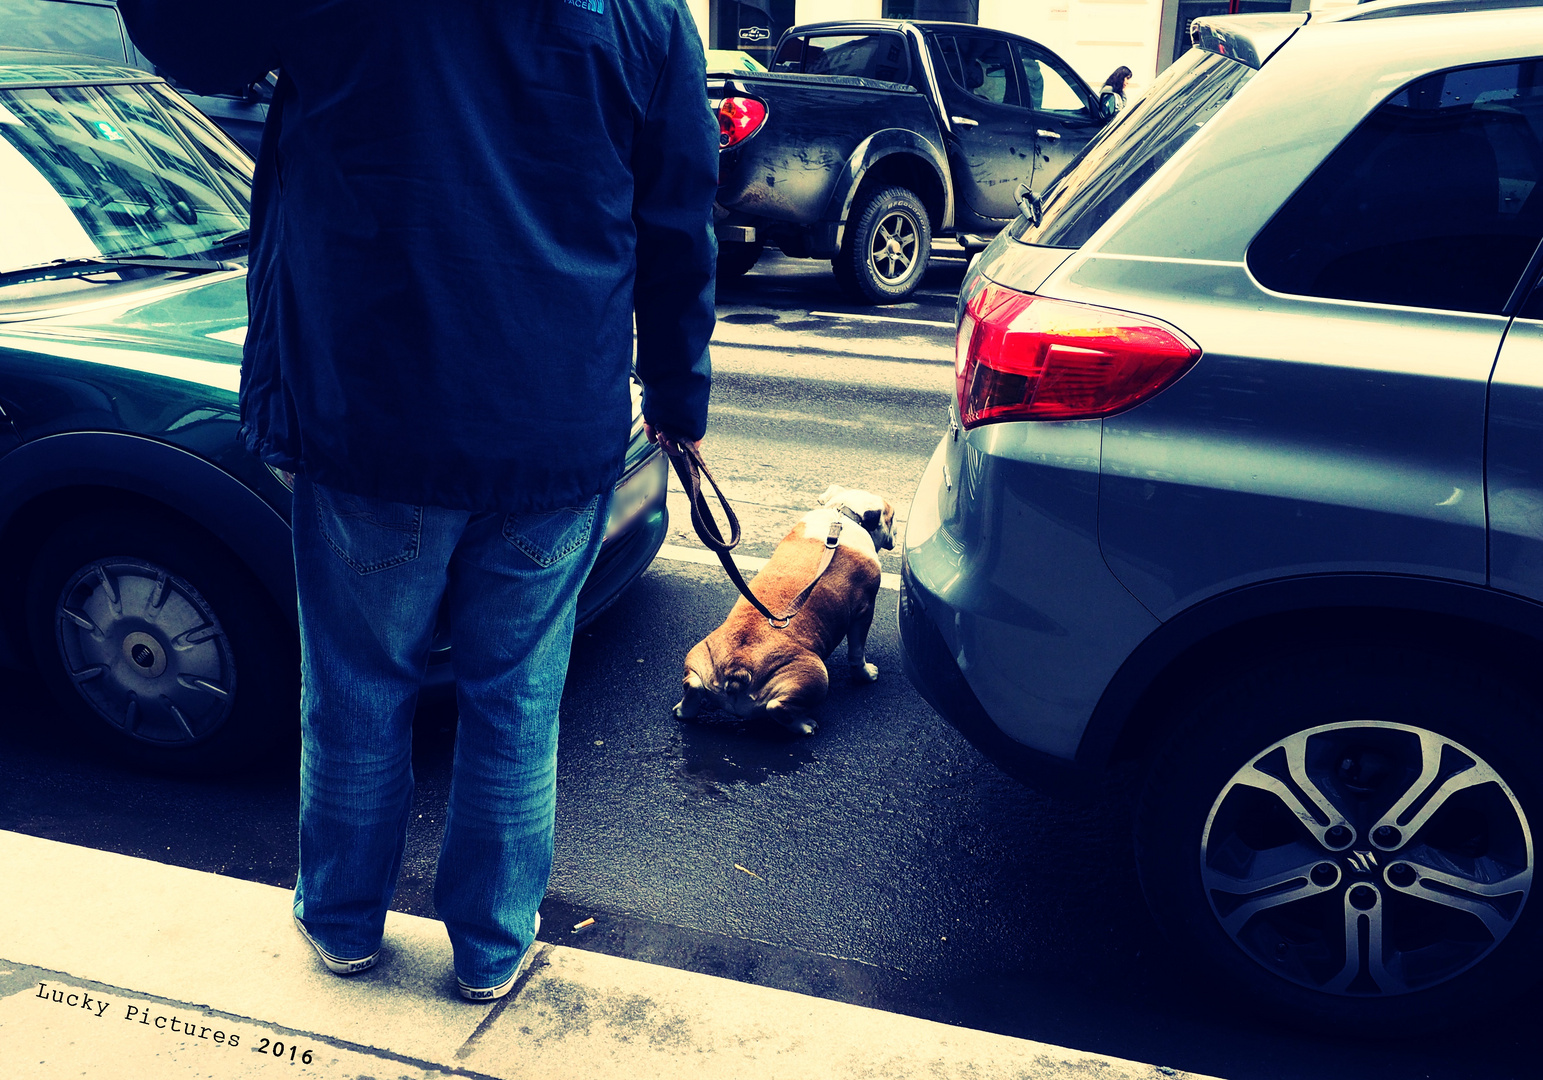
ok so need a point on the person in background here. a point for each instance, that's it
(459, 209)
(1116, 90)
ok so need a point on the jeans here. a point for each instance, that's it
(372, 576)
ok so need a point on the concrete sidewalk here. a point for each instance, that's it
(113, 967)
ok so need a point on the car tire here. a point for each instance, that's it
(735, 258)
(160, 645)
(1287, 898)
(883, 257)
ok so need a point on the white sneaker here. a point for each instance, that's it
(493, 993)
(336, 964)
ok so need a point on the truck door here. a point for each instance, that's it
(1065, 115)
(992, 149)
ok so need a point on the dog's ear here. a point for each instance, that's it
(871, 519)
(832, 493)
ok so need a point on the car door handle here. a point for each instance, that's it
(965, 121)
(1043, 134)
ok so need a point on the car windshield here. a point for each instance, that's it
(1134, 146)
(111, 171)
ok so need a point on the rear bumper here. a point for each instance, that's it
(932, 670)
(802, 240)
(1011, 623)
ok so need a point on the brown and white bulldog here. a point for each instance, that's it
(748, 668)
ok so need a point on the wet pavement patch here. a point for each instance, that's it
(734, 751)
(749, 318)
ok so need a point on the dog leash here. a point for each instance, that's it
(690, 467)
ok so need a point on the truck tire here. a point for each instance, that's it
(735, 258)
(884, 255)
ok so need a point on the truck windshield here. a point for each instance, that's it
(1135, 145)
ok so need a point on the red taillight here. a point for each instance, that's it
(738, 118)
(1023, 357)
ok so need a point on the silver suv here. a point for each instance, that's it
(1244, 482)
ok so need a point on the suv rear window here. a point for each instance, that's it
(1432, 202)
(1135, 145)
(880, 56)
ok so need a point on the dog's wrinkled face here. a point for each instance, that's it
(878, 516)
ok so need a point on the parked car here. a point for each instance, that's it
(95, 28)
(1244, 488)
(145, 552)
(732, 60)
(868, 138)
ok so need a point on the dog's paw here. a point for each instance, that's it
(865, 673)
(793, 720)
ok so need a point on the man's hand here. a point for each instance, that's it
(656, 436)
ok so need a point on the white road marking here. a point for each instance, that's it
(676, 553)
(880, 318)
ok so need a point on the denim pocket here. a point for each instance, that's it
(552, 535)
(368, 534)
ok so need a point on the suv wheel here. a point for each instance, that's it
(1350, 837)
(160, 643)
(884, 256)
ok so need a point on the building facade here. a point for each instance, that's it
(1094, 36)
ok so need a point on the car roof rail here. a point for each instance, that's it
(1388, 9)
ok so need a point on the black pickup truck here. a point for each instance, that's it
(868, 138)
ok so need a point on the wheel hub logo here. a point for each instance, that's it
(1363, 862)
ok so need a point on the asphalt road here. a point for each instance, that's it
(881, 861)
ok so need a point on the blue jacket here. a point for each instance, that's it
(459, 206)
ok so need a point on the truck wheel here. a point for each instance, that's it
(1348, 836)
(884, 256)
(161, 645)
(735, 258)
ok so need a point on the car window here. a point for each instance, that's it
(47, 24)
(1433, 201)
(790, 55)
(1138, 142)
(982, 65)
(865, 56)
(100, 170)
(945, 54)
(1045, 87)
(229, 163)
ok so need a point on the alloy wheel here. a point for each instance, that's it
(892, 250)
(1366, 858)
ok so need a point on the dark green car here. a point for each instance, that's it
(145, 552)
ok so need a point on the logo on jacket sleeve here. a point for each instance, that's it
(597, 6)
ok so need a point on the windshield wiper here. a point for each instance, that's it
(96, 264)
(240, 236)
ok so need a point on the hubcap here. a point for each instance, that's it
(145, 651)
(892, 254)
(1367, 859)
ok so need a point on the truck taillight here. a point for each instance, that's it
(1025, 357)
(738, 119)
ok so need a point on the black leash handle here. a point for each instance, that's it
(690, 467)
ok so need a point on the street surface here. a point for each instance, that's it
(881, 861)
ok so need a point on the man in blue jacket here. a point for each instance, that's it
(460, 211)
